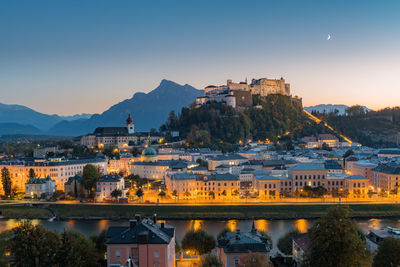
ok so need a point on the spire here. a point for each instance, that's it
(129, 120)
(253, 227)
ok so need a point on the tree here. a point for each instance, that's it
(348, 153)
(162, 194)
(326, 147)
(139, 193)
(252, 259)
(77, 250)
(336, 242)
(210, 261)
(175, 194)
(31, 173)
(388, 253)
(198, 242)
(4, 247)
(6, 181)
(99, 242)
(34, 245)
(116, 194)
(285, 243)
(90, 176)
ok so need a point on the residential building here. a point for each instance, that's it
(234, 245)
(107, 184)
(145, 242)
(74, 187)
(36, 187)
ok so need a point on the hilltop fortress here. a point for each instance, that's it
(240, 94)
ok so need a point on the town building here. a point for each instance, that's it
(74, 187)
(307, 174)
(58, 169)
(389, 153)
(111, 136)
(386, 177)
(107, 184)
(363, 168)
(145, 242)
(228, 159)
(232, 246)
(214, 187)
(375, 237)
(37, 187)
(318, 141)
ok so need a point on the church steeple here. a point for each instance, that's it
(130, 125)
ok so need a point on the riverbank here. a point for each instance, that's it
(190, 212)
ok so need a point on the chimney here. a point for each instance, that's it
(137, 217)
(132, 223)
(237, 237)
(155, 218)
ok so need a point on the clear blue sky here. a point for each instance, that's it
(69, 57)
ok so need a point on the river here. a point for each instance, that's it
(275, 228)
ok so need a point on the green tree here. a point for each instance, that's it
(285, 243)
(198, 242)
(326, 147)
(4, 247)
(349, 152)
(90, 176)
(6, 181)
(336, 242)
(100, 243)
(210, 261)
(388, 253)
(77, 250)
(31, 173)
(162, 194)
(139, 193)
(34, 245)
(116, 194)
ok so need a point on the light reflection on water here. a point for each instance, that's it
(275, 228)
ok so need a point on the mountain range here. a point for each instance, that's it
(147, 110)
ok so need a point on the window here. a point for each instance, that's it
(117, 253)
(156, 254)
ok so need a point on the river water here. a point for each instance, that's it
(275, 228)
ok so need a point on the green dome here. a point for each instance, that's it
(149, 151)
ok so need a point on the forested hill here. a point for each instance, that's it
(220, 126)
(372, 128)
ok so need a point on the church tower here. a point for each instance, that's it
(130, 125)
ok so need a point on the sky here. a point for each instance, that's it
(68, 57)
